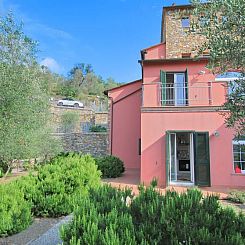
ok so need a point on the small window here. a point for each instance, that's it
(185, 21)
(224, 19)
(139, 146)
(204, 21)
(239, 156)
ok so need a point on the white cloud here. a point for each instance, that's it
(52, 64)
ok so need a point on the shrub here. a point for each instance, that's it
(15, 211)
(104, 217)
(57, 185)
(237, 196)
(110, 166)
(98, 128)
(101, 218)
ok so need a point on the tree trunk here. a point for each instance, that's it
(8, 170)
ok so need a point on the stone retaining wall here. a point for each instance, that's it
(86, 116)
(95, 144)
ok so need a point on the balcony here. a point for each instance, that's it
(179, 95)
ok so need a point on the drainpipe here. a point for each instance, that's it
(111, 122)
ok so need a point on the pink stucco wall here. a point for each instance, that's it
(199, 93)
(125, 128)
(153, 130)
(156, 52)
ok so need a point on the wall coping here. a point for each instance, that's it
(184, 109)
(89, 133)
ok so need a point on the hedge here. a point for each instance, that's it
(110, 216)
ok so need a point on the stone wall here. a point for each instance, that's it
(95, 144)
(101, 118)
(85, 116)
(180, 40)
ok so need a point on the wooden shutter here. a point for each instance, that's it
(163, 84)
(202, 159)
(167, 155)
(186, 87)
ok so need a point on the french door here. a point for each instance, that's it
(174, 90)
(199, 158)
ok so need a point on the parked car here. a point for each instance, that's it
(70, 102)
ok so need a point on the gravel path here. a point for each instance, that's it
(236, 206)
(43, 231)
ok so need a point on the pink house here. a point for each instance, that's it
(169, 124)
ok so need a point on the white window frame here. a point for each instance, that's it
(238, 142)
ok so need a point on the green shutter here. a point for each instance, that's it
(186, 86)
(202, 159)
(163, 83)
(167, 155)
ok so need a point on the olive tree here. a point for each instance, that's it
(222, 22)
(24, 104)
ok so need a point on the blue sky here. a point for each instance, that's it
(108, 34)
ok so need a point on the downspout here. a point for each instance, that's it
(111, 127)
(143, 53)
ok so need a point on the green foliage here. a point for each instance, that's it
(101, 218)
(237, 196)
(69, 121)
(98, 128)
(82, 83)
(235, 104)
(67, 90)
(24, 110)
(16, 47)
(106, 217)
(15, 211)
(224, 31)
(57, 185)
(110, 166)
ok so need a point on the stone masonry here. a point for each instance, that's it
(95, 144)
(85, 116)
(179, 40)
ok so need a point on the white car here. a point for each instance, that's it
(70, 102)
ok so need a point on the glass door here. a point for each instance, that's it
(180, 91)
(173, 162)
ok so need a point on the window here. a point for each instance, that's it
(239, 154)
(204, 21)
(224, 19)
(185, 21)
(229, 75)
(176, 89)
(139, 146)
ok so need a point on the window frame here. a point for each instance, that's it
(239, 163)
(174, 100)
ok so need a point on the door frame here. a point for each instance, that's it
(193, 160)
(176, 89)
(168, 156)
